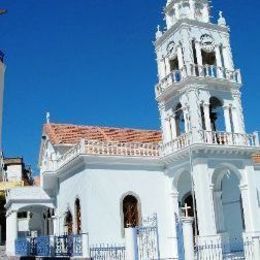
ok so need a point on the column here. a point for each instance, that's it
(173, 127)
(187, 50)
(239, 112)
(186, 120)
(238, 137)
(228, 59)
(219, 62)
(217, 197)
(11, 232)
(174, 228)
(188, 237)
(207, 116)
(131, 244)
(181, 62)
(177, 12)
(167, 130)
(192, 9)
(199, 58)
(85, 245)
(204, 203)
(256, 136)
(227, 119)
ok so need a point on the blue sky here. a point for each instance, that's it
(92, 62)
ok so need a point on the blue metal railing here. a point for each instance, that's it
(65, 245)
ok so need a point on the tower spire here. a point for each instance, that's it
(176, 10)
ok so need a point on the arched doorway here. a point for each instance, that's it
(68, 223)
(130, 211)
(78, 216)
(189, 200)
(186, 198)
(229, 209)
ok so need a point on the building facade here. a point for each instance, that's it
(196, 181)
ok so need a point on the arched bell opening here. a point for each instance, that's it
(180, 120)
(229, 208)
(216, 114)
(174, 64)
(208, 58)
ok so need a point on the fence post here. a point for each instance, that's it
(131, 244)
(52, 245)
(85, 245)
(188, 237)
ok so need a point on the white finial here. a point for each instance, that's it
(48, 115)
(158, 33)
(221, 19)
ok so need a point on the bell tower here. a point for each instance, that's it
(199, 87)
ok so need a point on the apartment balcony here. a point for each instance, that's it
(210, 138)
(210, 72)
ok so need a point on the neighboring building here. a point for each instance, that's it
(15, 174)
(107, 182)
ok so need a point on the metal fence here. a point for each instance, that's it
(66, 245)
(148, 239)
(107, 252)
(244, 249)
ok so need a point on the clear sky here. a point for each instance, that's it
(92, 62)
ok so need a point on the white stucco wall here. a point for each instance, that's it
(101, 191)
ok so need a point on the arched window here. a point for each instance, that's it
(216, 115)
(78, 216)
(180, 121)
(68, 223)
(130, 211)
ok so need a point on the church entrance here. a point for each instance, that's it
(186, 199)
(233, 211)
(229, 209)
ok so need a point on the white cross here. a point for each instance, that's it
(186, 210)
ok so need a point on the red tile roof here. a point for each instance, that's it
(71, 134)
(37, 181)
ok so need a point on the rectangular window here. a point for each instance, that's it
(22, 214)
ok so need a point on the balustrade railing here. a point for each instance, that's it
(91, 147)
(210, 137)
(200, 71)
(176, 144)
(225, 138)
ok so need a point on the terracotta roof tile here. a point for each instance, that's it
(256, 158)
(71, 134)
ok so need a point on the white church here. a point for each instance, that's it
(189, 191)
